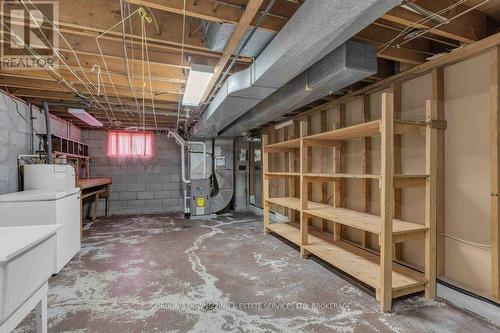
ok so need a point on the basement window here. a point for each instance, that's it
(130, 144)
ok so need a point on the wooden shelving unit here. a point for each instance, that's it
(379, 271)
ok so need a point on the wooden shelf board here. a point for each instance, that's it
(333, 176)
(85, 183)
(370, 128)
(294, 203)
(363, 221)
(400, 181)
(362, 265)
(358, 263)
(356, 131)
(287, 231)
(281, 174)
(285, 145)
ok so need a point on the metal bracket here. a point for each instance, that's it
(438, 124)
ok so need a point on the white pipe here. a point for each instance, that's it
(180, 141)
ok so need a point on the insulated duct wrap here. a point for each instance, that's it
(317, 28)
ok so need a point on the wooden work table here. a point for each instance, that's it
(96, 188)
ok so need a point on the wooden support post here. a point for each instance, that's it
(283, 157)
(396, 91)
(304, 191)
(309, 131)
(265, 182)
(324, 185)
(386, 200)
(495, 171)
(430, 200)
(438, 96)
(339, 167)
(367, 169)
(94, 207)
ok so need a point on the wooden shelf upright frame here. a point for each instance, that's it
(389, 279)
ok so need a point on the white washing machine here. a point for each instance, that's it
(46, 207)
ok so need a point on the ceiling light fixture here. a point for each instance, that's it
(85, 117)
(198, 79)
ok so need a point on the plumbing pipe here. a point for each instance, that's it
(49, 132)
(180, 141)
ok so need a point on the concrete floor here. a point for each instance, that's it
(162, 273)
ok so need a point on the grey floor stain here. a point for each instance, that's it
(161, 273)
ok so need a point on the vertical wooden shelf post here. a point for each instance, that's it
(339, 167)
(495, 171)
(386, 200)
(291, 181)
(367, 169)
(265, 181)
(430, 200)
(398, 193)
(438, 96)
(304, 190)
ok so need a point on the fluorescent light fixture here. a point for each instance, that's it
(197, 83)
(85, 117)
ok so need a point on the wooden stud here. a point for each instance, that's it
(367, 169)
(304, 190)
(430, 201)
(396, 91)
(291, 181)
(339, 166)
(324, 185)
(309, 160)
(438, 96)
(386, 200)
(265, 182)
(495, 171)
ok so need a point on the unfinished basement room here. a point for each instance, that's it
(250, 166)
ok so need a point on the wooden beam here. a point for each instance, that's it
(339, 167)
(304, 220)
(430, 201)
(265, 182)
(246, 19)
(324, 185)
(367, 169)
(204, 10)
(396, 92)
(386, 200)
(466, 29)
(495, 171)
(438, 97)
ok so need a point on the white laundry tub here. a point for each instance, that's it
(27, 260)
(47, 207)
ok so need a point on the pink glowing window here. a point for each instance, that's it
(130, 144)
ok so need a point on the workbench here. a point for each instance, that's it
(97, 188)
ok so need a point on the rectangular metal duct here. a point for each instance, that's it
(316, 29)
(218, 35)
(346, 65)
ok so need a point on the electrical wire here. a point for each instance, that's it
(479, 245)
(151, 85)
(20, 115)
(419, 22)
(56, 52)
(127, 65)
(447, 21)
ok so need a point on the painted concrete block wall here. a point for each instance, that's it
(15, 136)
(139, 185)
